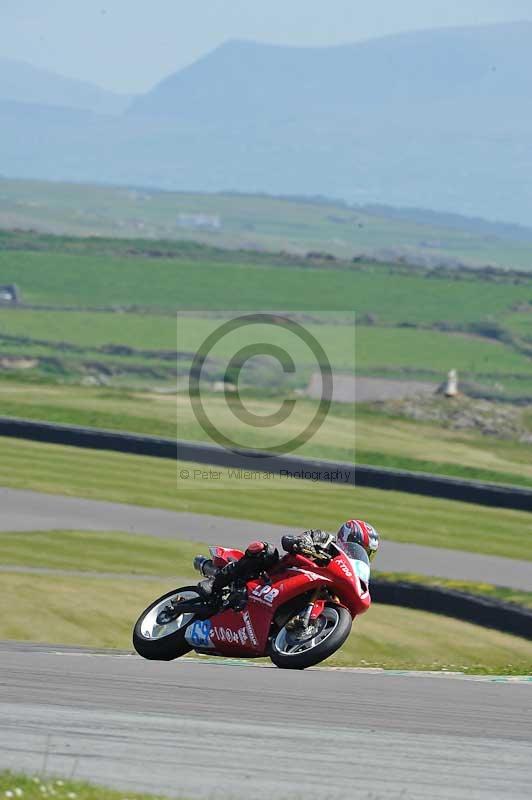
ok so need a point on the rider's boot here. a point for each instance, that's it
(258, 557)
(205, 589)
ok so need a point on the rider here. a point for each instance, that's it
(259, 557)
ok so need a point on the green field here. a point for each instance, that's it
(479, 321)
(372, 350)
(388, 637)
(301, 504)
(255, 222)
(423, 323)
(53, 272)
(521, 324)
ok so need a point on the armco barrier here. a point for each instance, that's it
(485, 611)
(287, 466)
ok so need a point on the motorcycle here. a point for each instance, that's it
(298, 614)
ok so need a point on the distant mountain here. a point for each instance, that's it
(437, 119)
(23, 83)
(245, 81)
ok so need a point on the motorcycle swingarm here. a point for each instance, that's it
(199, 610)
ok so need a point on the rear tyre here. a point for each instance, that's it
(160, 640)
(299, 649)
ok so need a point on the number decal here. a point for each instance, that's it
(199, 634)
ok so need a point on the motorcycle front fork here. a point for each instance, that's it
(311, 611)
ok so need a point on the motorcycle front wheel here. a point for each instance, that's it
(159, 632)
(298, 648)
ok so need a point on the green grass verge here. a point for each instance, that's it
(100, 551)
(380, 440)
(16, 785)
(400, 638)
(442, 468)
(303, 504)
(100, 613)
(123, 553)
(387, 637)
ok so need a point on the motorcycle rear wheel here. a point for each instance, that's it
(163, 642)
(295, 651)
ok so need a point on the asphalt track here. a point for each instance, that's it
(218, 730)
(29, 511)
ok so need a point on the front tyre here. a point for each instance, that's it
(298, 648)
(159, 632)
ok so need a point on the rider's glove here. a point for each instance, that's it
(309, 540)
(294, 544)
(289, 542)
(321, 538)
(306, 541)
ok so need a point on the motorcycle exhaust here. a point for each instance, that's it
(205, 566)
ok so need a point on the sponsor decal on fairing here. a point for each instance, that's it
(249, 628)
(265, 594)
(229, 636)
(341, 563)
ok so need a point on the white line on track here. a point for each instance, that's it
(233, 662)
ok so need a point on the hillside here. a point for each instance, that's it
(23, 83)
(257, 222)
(437, 119)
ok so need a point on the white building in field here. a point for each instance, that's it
(209, 222)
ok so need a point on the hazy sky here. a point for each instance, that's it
(129, 45)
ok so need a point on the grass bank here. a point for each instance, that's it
(380, 439)
(303, 504)
(100, 613)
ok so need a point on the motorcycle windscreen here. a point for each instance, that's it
(358, 558)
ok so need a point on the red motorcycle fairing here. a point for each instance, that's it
(221, 556)
(245, 633)
(340, 573)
